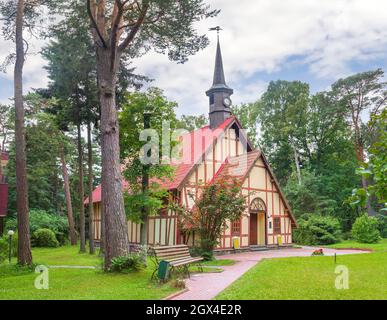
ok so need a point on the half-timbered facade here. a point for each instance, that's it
(208, 154)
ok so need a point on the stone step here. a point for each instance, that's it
(258, 248)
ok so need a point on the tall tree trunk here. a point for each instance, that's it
(81, 193)
(23, 225)
(70, 216)
(359, 148)
(90, 187)
(102, 241)
(296, 161)
(145, 188)
(116, 232)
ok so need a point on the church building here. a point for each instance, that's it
(210, 153)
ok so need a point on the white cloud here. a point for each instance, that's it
(260, 36)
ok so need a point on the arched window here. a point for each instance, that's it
(257, 205)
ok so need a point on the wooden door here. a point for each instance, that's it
(253, 229)
(261, 229)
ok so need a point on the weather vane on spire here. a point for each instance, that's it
(217, 29)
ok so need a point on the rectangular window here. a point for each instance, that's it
(236, 228)
(212, 99)
(277, 225)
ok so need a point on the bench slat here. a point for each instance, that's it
(172, 253)
(178, 263)
(173, 256)
(176, 258)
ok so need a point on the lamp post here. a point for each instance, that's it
(10, 234)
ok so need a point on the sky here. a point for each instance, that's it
(313, 41)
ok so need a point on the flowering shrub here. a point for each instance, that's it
(217, 203)
(318, 252)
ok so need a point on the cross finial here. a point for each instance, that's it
(217, 29)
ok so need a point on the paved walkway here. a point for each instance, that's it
(205, 286)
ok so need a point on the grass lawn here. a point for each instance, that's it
(312, 278)
(67, 255)
(78, 283)
(351, 244)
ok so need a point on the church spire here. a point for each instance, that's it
(219, 93)
(219, 77)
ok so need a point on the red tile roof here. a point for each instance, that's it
(194, 145)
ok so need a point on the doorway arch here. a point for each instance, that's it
(258, 228)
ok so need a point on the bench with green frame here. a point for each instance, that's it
(177, 256)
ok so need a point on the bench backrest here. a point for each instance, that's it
(170, 253)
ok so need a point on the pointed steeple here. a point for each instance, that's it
(219, 72)
(219, 93)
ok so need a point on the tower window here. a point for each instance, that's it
(212, 99)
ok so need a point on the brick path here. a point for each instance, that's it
(206, 286)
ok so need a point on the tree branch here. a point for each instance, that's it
(135, 28)
(94, 24)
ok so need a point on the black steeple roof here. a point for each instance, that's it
(219, 93)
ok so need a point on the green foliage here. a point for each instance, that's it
(282, 114)
(206, 254)
(382, 220)
(45, 187)
(4, 246)
(44, 238)
(192, 122)
(131, 125)
(153, 200)
(375, 170)
(317, 230)
(247, 115)
(306, 198)
(365, 229)
(40, 219)
(125, 264)
(131, 119)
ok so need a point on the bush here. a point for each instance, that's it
(40, 219)
(365, 229)
(318, 230)
(207, 255)
(4, 247)
(382, 220)
(126, 264)
(44, 238)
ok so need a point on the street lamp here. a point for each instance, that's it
(10, 234)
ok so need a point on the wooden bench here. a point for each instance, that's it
(177, 256)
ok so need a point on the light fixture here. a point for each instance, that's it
(10, 234)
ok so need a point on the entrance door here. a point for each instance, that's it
(253, 229)
(261, 229)
(257, 222)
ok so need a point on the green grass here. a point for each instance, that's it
(351, 244)
(67, 255)
(78, 283)
(312, 278)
